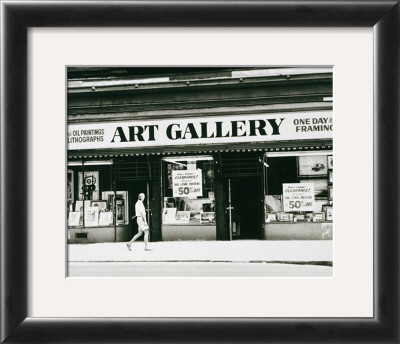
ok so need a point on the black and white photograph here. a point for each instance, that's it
(200, 171)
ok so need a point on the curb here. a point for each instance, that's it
(322, 263)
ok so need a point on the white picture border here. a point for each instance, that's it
(348, 294)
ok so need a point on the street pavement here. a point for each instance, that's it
(319, 252)
(196, 269)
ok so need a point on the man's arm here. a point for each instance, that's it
(143, 213)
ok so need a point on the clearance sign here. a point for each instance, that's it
(187, 131)
(298, 197)
(187, 183)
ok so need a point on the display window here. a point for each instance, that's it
(188, 191)
(91, 202)
(299, 188)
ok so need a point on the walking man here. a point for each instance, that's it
(142, 223)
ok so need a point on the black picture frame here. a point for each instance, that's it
(382, 16)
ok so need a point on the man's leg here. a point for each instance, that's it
(134, 238)
(146, 239)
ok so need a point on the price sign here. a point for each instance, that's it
(187, 183)
(298, 197)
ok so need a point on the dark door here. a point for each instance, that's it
(135, 187)
(138, 187)
(244, 207)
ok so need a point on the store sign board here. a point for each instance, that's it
(205, 130)
(187, 183)
(298, 197)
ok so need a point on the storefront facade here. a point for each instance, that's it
(218, 155)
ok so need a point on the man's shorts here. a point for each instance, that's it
(141, 224)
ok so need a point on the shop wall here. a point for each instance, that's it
(298, 231)
(98, 234)
(172, 233)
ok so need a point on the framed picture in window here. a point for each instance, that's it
(330, 161)
(92, 181)
(169, 215)
(207, 217)
(182, 216)
(78, 205)
(328, 210)
(109, 196)
(320, 187)
(73, 218)
(312, 165)
(105, 218)
(70, 186)
(102, 205)
(91, 216)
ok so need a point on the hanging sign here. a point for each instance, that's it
(205, 130)
(187, 183)
(298, 197)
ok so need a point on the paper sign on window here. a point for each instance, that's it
(298, 197)
(187, 183)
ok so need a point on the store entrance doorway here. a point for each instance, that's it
(135, 187)
(244, 207)
(138, 187)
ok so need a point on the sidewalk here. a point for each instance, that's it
(307, 252)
